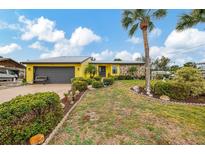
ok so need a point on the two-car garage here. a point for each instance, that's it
(55, 74)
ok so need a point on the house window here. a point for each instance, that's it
(114, 69)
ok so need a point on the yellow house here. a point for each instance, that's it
(63, 69)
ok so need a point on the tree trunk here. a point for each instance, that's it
(147, 61)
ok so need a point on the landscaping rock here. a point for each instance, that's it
(72, 102)
(136, 89)
(37, 139)
(77, 92)
(165, 98)
(62, 105)
(90, 87)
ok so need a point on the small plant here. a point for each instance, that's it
(79, 85)
(97, 84)
(108, 81)
(98, 78)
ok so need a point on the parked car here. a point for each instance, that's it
(7, 75)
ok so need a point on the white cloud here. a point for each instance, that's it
(156, 32)
(179, 45)
(43, 29)
(135, 40)
(37, 45)
(104, 55)
(73, 46)
(83, 36)
(9, 48)
(125, 55)
(5, 25)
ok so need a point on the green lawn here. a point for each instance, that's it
(126, 118)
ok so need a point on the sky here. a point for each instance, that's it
(34, 34)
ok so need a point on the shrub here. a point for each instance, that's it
(193, 78)
(77, 79)
(79, 85)
(98, 78)
(25, 116)
(97, 84)
(90, 81)
(172, 89)
(108, 81)
(125, 77)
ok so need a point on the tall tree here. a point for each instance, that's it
(191, 19)
(143, 19)
(161, 64)
(190, 64)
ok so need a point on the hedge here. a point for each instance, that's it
(25, 116)
(175, 90)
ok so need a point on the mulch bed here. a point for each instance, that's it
(190, 100)
(67, 102)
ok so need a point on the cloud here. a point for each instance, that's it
(83, 36)
(180, 45)
(156, 32)
(125, 55)
(43, 29)
(135, 40)
(9, 48)
(104, 55)
(80, 38)
(37, 45)
(5, 25)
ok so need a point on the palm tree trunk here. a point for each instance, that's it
(147, 61)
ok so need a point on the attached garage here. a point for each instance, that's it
(56, 74)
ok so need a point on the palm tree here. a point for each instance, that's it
(189, 20)
(143, 19)
(91, 70)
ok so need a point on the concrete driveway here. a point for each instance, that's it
(8, 94)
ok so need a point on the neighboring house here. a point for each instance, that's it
(11, 66)
(201, 66)
(63, 69)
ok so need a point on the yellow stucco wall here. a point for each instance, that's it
(79, 69)
(109, 69)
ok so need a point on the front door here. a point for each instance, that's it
(102, 71)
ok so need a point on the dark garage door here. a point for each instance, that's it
(56, 74)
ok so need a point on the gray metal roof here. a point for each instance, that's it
(117, 62)
(62, 59)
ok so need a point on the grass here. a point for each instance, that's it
(126, 118)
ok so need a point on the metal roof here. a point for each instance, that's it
(9, 59)
(62, 59)
(117, 62)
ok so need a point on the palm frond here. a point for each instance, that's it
(133, 29)
(186, 21)
(158, 14)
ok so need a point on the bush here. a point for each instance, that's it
(98, 78)
(193, 78)
(90, 81)
(25, 116)
(175, 90)
(125, 77)
(77, 79)
(108, 81)
(97, 84)
(79, 85)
